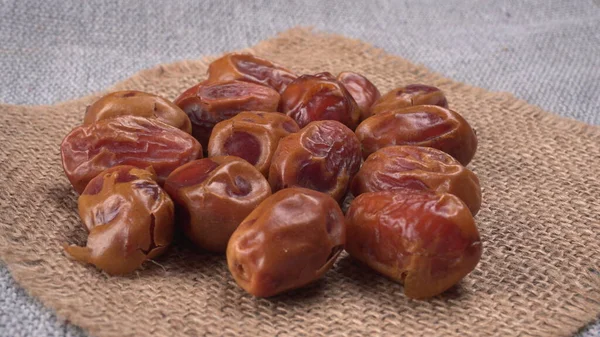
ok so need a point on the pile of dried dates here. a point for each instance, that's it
(255, 162)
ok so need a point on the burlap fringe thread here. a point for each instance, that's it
(540, 222)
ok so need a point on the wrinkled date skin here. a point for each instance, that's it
(129, 219)
(126, 140)
(410, 95)
(424, 125)
(137, 103)
(290, 240)
(362, 90)
(209, 103)
(213, 196)
(319, 97)
(252, 136)
(417, 167)
(247, 67)
(323, 156)
(424, 240)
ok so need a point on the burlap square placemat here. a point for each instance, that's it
(540, 222)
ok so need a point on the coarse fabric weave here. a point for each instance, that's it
(540, 222)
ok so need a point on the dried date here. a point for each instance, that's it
(125, 140)
(288, 241)
(424, 240)
(410, 95)
(362, 90)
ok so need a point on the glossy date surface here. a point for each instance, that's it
(137, 103)
(252, 136)
(323, 156)
(250, 68)
(129, 219)
(417, 167)
(364, 92)
(423, 125)
(319, 97)
(213, 196)
(209, 103)
(410, 95)
(424, 240)
(290, 240)
(126, 140)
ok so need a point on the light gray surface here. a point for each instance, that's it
(546, 52)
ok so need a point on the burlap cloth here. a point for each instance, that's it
(540, 222)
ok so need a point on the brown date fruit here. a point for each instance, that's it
(319, 97)
(213, 196)
(209, 103)
(424, 240)
(129, 219)
(417, 167)
(247, 67)
(423, 125)
(137, 103)
(361, 89)
(252, 136)
(125, 140)
(410, 95)
(323, 156)
(291, 239)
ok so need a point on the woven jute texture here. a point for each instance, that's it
(540, 222)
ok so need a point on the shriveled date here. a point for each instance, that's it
(137, 103)
(410, 95)
(323, 156)
(319, 97)
(290, 240)
(208, 103)
(250, 68)
(424, 240)
(251, 135)
(213, 196)
(361, 89)
(125, 140)
(129, 219)
(417, 167)
(423, 125)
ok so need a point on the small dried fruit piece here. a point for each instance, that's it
(417, 167)
(247, 67)
(291, 239)
(410, 95)
(324, 156)
(129, 219)
(137, 103)
(209, 103)
(319, 97)
(423, 125)
(213, 196)
(125, 140)
(361, 89)
(424, 240)
(252, 136)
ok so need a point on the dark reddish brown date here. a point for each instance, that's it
(424, 240)
(423, 125)
(125, 140)
(213, 196)
(137, 103)
(410, 95)
(417, 167)
(291, 239)
(323, 156)
(247, 67)
(319, 97)
(362, 90)
(209, 103)
(129, 219)
(252, 136)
